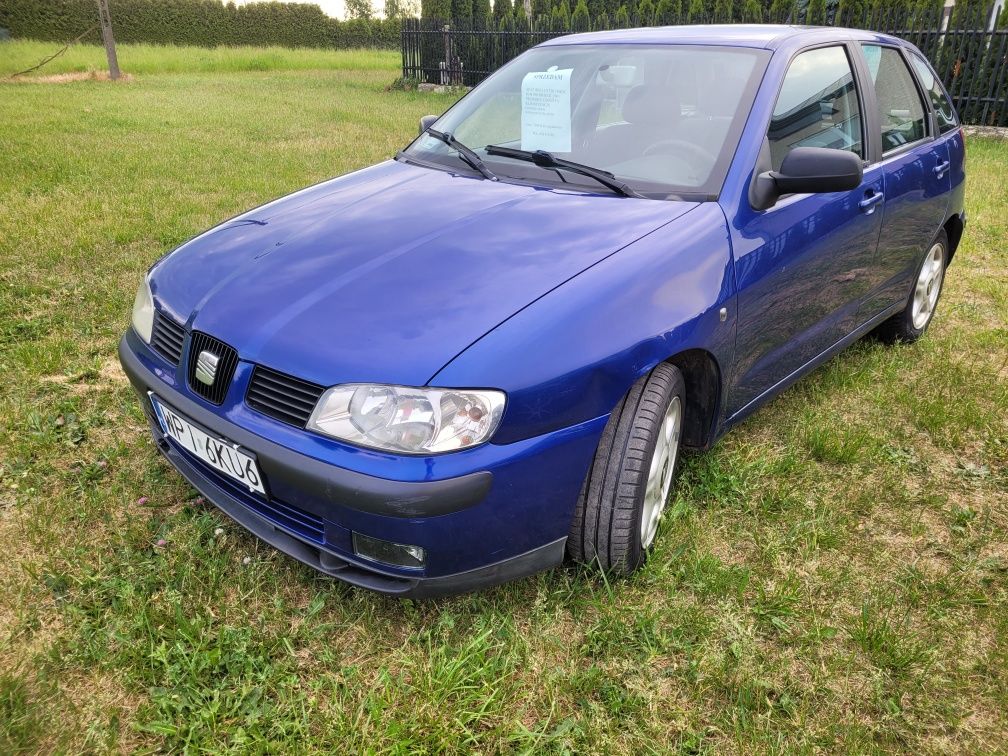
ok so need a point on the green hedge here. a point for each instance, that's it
(205, 23)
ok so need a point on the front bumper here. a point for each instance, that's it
(501, 514)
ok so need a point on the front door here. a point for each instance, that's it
(802, 266)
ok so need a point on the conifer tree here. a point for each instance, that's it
(501, 9)
(778, 11)
(697, 12)
(752, 11)
(723, 11)
(645, 13)
(668, 12)
(816, 14)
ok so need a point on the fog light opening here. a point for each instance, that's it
(386, 552)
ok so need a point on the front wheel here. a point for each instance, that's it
(909, 324)
(631, 477)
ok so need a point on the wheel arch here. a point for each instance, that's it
(954, 230)
(702, 376)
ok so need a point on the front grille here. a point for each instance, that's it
(227, 361)
(281, 396)
(167, 337)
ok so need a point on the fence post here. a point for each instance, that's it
(108, 39)
(446, 66)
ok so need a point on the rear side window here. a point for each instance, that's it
(944, 112)
(817, 106)
(901, 110)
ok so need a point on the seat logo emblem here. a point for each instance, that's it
(206, 367)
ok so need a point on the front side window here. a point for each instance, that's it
(817, 106)
(663, 119)
(901, 110)
(944, 112)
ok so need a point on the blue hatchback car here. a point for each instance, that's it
(461, 365)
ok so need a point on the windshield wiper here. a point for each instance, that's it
(548, 160)
(467, 155)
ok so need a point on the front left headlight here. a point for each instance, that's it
(408, 420)
(143, 311)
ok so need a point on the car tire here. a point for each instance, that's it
(635, 467)
(910, 324)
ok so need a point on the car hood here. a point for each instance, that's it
(388, 273)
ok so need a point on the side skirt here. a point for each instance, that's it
(808, 367)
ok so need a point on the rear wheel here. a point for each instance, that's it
(632, 475)
(909, 325)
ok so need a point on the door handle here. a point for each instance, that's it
(941, 168)
(867, 205)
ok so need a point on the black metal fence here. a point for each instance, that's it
(967, 52)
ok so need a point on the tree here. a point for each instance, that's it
(779, 11)
(358, 9)
(602, 22)
(752, 11)
(622, 18)
(849, 13)
(595, 8)
(668, 12)
(540, 9)
(396, 9)
(501, 9)
(561, 16)
(481, 12)
(816, 14)
(438, 10)
(645, 13)
(723, 11)
(697, 12)
(580, 18)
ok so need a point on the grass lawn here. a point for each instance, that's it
(832, 576)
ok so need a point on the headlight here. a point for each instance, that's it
(143, 311)
(409, 420)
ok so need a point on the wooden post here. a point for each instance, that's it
(106, 30)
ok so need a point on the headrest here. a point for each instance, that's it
(651, 106)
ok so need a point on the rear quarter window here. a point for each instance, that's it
(944, 112)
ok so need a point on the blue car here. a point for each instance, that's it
(486, 355)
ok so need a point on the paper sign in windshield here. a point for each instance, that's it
(546, 116)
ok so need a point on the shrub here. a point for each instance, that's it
(204, 23)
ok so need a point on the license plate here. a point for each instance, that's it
(221, 455)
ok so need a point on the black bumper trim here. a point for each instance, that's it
(342, 568)
(365, 493)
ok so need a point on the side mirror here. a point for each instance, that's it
(808, 170)
(426, 122)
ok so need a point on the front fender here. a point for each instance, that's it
(572, 354)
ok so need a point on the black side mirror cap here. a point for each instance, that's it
(426, 122)
(808, 170)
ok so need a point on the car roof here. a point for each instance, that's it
(766, 36)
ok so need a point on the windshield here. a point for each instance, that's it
(663, 119)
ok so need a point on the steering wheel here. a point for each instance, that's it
(700, 157)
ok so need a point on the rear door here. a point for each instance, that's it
(801, 265)
(916, 167)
